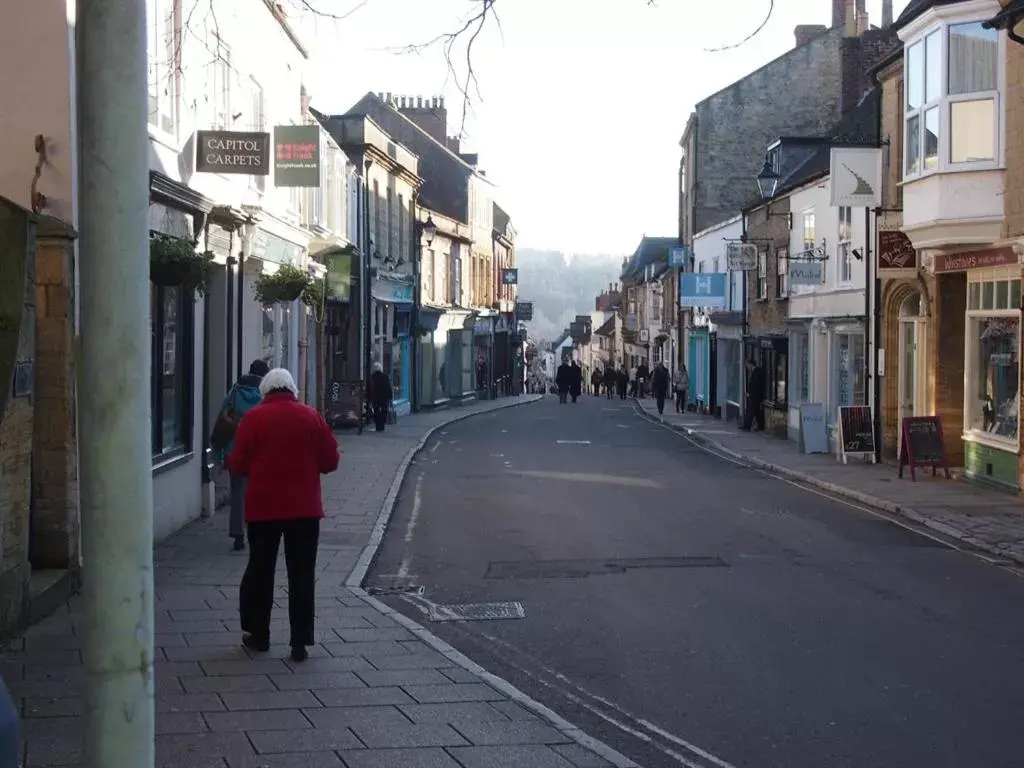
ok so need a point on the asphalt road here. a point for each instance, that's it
(691, 611)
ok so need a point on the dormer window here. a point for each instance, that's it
(952, 84)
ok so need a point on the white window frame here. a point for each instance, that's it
(762, 273)
(161, 34)
(844, 246)
(970, 373)
(782, 272)
(221, 82)
(938, 21)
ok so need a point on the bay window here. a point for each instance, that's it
(993, 359)
(952, 99)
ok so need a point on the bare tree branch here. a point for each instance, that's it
(748, 38)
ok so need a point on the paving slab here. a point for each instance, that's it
(374, 693)
(983, 519)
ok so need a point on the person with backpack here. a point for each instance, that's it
(243, 395)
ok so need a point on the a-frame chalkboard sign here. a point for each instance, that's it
(922, 445)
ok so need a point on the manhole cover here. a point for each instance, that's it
(477, 611)
(579, 569)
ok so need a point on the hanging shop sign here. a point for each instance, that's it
(741, 256)
(705, 289)
(856, 177)
(297, 156)
(392, 291)
(233, 152)
(805, 272)
(679, 256)
(339, 275)
(961, 262)
(524, 310)
(895, 251)
(510, 276)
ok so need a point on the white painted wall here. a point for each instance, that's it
(711, 244)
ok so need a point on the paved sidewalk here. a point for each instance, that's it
(377, 692)
(984, 519)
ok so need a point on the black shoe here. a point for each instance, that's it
(257, 644)
(299, 653)
(239, 543)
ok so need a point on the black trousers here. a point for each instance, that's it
(380, 416)
(256, 594)
(753, 412)
(562, 395)
(660, 398)
(680, 400)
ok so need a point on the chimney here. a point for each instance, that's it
(380, 95)
(419, 99)
(805, 33)
(304, 100)
(886, 14)
(850, 18)
(390, 102)
(441, 103)
(862, 22)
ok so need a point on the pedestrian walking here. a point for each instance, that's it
(282, 447)
(576, 380)
(754, 410)
(659, 385)
(595, 382)
(563, 380)
(610, 381)
(681, 386)
(623, 382)
(381, 396)
(240, 399)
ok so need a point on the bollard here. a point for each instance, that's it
(10, 730)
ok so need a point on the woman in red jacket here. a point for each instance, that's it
(282, 446)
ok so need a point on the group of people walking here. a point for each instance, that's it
(620, 381)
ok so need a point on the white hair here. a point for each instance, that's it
(278, 378)
(377, 367)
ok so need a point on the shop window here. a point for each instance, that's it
(848, 370)
(733, 370)
(171, 322)
(778, 378)
(162, 59)
(993, 358)
(396, 370)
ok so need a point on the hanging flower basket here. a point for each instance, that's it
(313, 296)
(283, 287)
(175, 261)
(419, 331)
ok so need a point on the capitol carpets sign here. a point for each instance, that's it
(233, 152)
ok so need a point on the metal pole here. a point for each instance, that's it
(114, 399)
(876, 287)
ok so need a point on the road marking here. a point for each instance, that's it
(636, 727)
(588, 477)
(410, 528)
(622, 426)
(573, 442)
(436, 446)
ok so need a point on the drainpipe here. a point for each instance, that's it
(229, 301)
(115, 448)
(240, 314)
(414, 341)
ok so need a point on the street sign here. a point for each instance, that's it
(524, 310)
(679, 256)
(510, 277)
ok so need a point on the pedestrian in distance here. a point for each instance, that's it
(576, 380)
(240, 399)
(610, 381)
(381, 396)
(681, 386)
(282, 447)
(563, 381)
(754, 405)
(659, 385)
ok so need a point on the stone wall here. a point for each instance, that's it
(735, 125)
(17, 344)
(55, 456)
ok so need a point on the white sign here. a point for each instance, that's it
(856, 177)
(806, 272)
(741, 256)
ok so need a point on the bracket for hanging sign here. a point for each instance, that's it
(817, 253)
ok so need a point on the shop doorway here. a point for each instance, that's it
(913, 349)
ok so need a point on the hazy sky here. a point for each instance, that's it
(582, 102)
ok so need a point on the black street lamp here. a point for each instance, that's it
(1010, 18)
(768, 184)
(767, 181)
(429, 230)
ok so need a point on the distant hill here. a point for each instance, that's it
(560, 291)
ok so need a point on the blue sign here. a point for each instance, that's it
(678, 256)
(699, 289)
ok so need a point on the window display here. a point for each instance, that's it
(995, 379)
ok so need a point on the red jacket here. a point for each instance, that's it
(283, 446)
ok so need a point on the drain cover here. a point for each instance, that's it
(477, 611)
(579, 569)
(394, 585)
